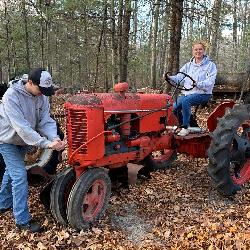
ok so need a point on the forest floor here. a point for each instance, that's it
(177, 208)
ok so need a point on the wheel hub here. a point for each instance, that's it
(244, 174)
(94, 200)
(239, 157)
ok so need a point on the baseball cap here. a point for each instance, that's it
(43, 80)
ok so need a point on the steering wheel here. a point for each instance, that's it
(178, 85)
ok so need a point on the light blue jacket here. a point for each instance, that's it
(204, 74)
(25, 119)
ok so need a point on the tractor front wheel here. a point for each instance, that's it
(60, 193)
(88, 198)
(229, 151)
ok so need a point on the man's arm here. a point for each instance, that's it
(47, 126)
(21, 125)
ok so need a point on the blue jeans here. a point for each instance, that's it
(14, 188)
(182, 107)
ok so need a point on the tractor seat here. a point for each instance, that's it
(201, 106)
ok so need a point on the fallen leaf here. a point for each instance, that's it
(96, 230)
(41, 246)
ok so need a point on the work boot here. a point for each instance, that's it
(32, 227)
(4, 210)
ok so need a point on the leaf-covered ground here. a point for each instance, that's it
(177, 208)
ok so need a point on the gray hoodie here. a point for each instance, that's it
(204, 74)
(25, 119)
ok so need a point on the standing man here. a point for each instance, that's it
(24, 120)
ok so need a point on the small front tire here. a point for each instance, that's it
(89, 198)
(59, 194)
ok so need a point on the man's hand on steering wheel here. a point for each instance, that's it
(178, 85)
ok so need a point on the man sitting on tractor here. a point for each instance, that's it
(203, 71)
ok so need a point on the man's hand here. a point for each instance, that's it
(57, 145)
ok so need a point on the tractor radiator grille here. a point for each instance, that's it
(77, 129)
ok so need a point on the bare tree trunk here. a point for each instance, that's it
(235, 43)
(154, 42)
(1, 71)
(42, 36)
(191, 32)
(245, 22)
(14, 58)
(175, 38)
(100, 43)
(215, 28)
(134, 45)
(175, 35)
(58, 59)
(135, 22)
(186, 22)
(125, 41)
(25, 20)
(49, 65)
(106, 81)
(119, 33)
(207, 28)
(165, 35)
(6, 16)
(85, 58)
(114, 44)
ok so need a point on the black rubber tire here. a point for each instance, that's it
(76, 206)
(59, 194)
(153, 164)
(220, 148)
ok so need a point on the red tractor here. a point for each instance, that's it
(106, 131)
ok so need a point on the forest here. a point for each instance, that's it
(94, 44)
(90, 46)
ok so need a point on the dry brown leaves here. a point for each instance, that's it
(177, 209)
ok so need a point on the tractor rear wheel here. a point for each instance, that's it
(229, 151)
(60, 193)
(88, 198)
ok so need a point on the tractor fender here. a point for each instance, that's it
(218, 112)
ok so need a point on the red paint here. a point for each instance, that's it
(92, 129)
(93, 200)
(218, 112)
(244, 174)
(195, 145)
